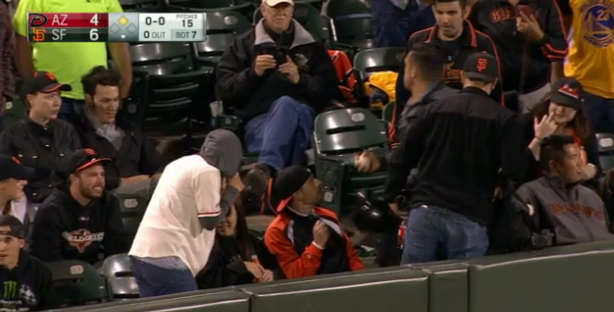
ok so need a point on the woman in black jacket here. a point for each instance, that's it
(237, 257)
(561, 113)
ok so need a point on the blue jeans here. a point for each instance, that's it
(282, 135)
(434, 233)
(600, 113)
(70, 109)
(392, 26)
(166, 277)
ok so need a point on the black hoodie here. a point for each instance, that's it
(27, 287)
(65, 230)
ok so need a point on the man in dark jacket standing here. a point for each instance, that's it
(458, 145)
(278, 78)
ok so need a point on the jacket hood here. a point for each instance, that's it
(222, 149)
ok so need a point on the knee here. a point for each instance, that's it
(284, 104)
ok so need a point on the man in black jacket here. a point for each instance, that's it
(457, 39)
(458, 145)
(76, 221)
(41, 141)
(26, 281)
(278, 78)
(104, 129)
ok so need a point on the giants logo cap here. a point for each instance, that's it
(44, 82)
(568, 92)
(11, 167)
(481, 66)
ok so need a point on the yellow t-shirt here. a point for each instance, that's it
(591, 47)
(68, 61)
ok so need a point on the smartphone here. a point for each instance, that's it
(525, 9)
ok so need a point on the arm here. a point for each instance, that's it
(23, 49)
(353, 259)
(512, 149)
(220, 273)
(120, 54)
(554, 42)
(7, 81)
(591, 147)
(212, 208)
(236, 77)
(75, 141)
(321, 81)
(404, 158)
(151, 160)
(47, 296)
(46, 236)
(114, 241)
(292, 264)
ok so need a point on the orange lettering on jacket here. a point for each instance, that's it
(577, 209)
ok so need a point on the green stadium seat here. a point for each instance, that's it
(209, 6)
(341, 8)
(78, 283)
(14, 111)
(356, 31)
(338, 135)
(145, 6)
(388, 112)
(374, 60)
(448, 285)
(122, 285)
(390, 289)
(133, 204)
(222, 28)
(605, 144)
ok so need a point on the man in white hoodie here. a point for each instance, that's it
(178, 230)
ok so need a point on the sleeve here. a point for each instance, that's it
(353, 259)
(512, 150)
(292, 264)
(220, 273)
(113, 6)
(46, 236)
(321, 82)
(554, 43)
(236, 78)
(531, 165)
(75, 141)
(151, 160)
(115, 240)
(7, 80)
(5, 143)
(404, 158)
(591, 147)
(211, 206)
(402, 94)
(20, 19)
(491, 48)
(48, 298)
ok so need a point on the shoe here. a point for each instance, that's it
(257, 179)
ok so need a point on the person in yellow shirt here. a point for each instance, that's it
(69, 61)
(591, 59)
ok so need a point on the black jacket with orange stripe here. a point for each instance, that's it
(289, 239)
(456, 52)
(497, 18)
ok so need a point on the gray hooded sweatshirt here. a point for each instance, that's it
(223, 150)
(576, 212)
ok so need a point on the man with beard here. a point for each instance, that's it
(75, 221)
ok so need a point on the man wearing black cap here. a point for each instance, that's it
(305, 239)
(40, 141)
(26, 281)
(13, 178)
(458, 155)
(74, 222)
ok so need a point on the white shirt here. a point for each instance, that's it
(188, 189)
(18, 209)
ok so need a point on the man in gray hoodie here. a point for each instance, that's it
(574, 212)
(177, 233)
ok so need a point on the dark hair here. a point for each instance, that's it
(99, 76)
(579, 123)
(243, 236)
(463, 3)
(552, 148)
(429, 59)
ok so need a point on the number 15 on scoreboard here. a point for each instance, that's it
(68, 27)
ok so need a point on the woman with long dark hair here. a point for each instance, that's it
(561, 112)
(238, 257)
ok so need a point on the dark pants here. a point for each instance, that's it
(434, 233)
(282, 135)
(600, 112)
(392, 26)
(1, 124)
(155, 280)
(388, 252)
(70, 109)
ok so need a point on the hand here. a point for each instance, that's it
(290, 70)
(134, 179)
(236, 182)
(263, 63)
(545, 127)
(400, 213)
(320, 233)
(366, 162)
(266, 277)
(498, 193)
(529, 26)
(255, 269)
(589, 171)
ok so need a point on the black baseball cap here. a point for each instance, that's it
(10, 167)
(11, 226)
(44, 82)
(481, 66)
(568, 92)
(288, 181)
(83, 159)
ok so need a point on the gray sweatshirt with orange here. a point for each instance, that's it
(576, 212)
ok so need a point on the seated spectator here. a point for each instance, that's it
(41, 141)
(13, 178)
(278, 78)
(105, 129)
(237, 256)
(575, 212)
(26, 280)
(81, 220)
(305, 239)
(561, 113)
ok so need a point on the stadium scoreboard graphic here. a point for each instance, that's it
(117, 27)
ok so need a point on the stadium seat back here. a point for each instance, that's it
(78, 283)
(141, 5)
(356, 31)
(605, 143)
(379, 59)
(341, 8)
(122, 284)
(346, 131)
(160, 59)
(210, 51)
(227, 21)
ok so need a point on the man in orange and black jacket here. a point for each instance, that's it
(305, 239)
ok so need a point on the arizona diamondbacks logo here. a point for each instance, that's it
(598, 22)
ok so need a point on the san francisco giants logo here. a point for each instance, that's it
(482, 64)
(39, 34)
